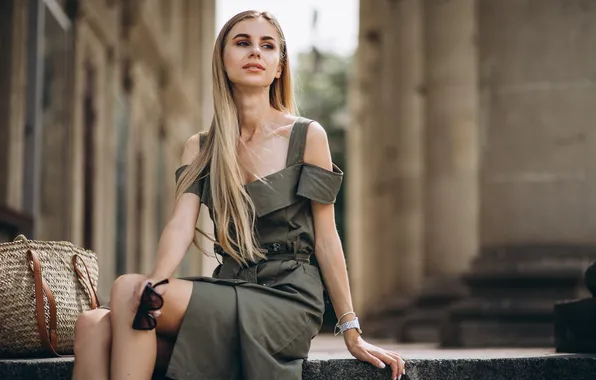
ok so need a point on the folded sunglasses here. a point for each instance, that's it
(150, 301)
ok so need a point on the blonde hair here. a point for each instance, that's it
(234, 211)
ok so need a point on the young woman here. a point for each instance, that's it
(267, 179)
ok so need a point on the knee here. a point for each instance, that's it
(124, 291)
(92, 329)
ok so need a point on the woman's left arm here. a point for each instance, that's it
(329, 254)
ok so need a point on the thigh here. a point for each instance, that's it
(176, 299)
(165, 347)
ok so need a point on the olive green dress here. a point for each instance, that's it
(257, 322)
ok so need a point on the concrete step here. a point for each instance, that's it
(422, 364)
(329, 359)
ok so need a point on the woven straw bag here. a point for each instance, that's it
(44, 286)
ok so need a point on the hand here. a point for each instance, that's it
(160, 289)
(374, 355)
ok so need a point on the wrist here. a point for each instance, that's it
(158, 276)
(342, 328)
(351, 337)
(346, 318)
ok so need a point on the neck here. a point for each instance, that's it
(254, 110)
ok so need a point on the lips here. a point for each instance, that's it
(253, 66)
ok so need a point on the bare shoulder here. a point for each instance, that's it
(191, 150)
(317, 150)
(316, 134)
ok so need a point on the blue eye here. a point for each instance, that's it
(242, 43)
(268, 46)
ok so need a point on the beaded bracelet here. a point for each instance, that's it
(353, 324)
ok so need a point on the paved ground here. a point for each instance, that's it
(327, 346)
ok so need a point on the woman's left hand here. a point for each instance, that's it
(374, 355)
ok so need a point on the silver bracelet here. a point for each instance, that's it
(344, 314)
(353, 324)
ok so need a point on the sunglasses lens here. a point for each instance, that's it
(144, 321)
(150, 299)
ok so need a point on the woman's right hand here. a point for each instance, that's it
(140, 288)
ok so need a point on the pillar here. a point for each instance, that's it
(12, 112)
(537, 210)
(93, 142)
(386, 158)
(451, 191)
(6, 16)
(451, 163)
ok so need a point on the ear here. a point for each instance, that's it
(279, 71)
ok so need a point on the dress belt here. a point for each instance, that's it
(230, 268)
(274, 252)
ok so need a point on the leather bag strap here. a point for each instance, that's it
(85, 281)
(49, 341)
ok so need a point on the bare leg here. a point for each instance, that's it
(93, 338)
(164, 352)
(92, 345)
(134, 352)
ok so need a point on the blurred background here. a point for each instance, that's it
(465, 128)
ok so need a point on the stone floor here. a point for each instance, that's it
(326, 347)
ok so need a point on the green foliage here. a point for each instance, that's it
(322, 95)
(322, 87)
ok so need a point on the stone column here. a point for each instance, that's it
(451, 161)
(538, 215)
(6, 17)
(451, 191)
(146, 114)
(93, 143)
(362, 259)
(17, 104)
(12, 99)
(386, 151)
(206, 13)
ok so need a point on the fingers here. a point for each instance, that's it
(367, 357)
(396, 369)
(401, 363)
(141, 287)
(381, 358)
(162, 289)
(156, 313)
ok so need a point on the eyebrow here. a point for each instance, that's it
(244, 35)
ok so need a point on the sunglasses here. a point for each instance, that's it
(150, 301)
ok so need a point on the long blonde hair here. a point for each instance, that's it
(234, 211)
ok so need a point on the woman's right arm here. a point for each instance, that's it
(179, 232)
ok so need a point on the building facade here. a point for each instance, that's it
(472, 163)
(97, 100)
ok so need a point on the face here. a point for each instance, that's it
(251, 54)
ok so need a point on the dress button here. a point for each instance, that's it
(276, 247)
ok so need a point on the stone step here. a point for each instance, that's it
(425, 365)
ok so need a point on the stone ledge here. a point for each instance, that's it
(560, 367)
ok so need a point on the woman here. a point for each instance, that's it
(267, 179)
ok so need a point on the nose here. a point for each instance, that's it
(255, 51)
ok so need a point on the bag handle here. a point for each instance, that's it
(50, 342)
(86, 282)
